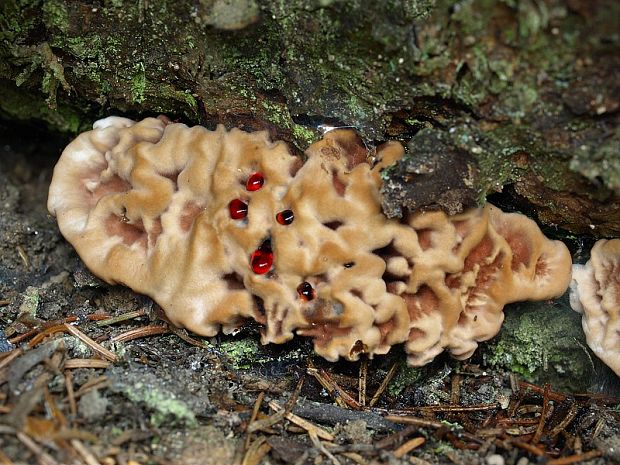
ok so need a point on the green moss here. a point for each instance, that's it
(247, 353)
(600, 162)
(30, 303)
(138, 83)
(543, 342)
(304, 136)
(55, 15)
(406, 376)
(279, 115)
(11, 22)
(241, 352)
(19, 104)
(164, 405)
(161, 98)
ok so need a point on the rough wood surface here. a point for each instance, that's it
(517, 97)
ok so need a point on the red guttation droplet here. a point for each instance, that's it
(306, 291)
(262, 258)
(238, 209)
(255, 182)
(285, 217)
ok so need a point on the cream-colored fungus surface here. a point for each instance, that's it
(219, 227)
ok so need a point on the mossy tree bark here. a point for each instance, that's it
(519, 96)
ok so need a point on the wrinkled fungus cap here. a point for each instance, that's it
(223, 226)
(595, 293)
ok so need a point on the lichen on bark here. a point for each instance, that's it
(526, 91)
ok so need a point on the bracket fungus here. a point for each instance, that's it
(223, 226)
(595, 293)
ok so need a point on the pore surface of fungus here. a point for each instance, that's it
(223, 226)
(595, 293)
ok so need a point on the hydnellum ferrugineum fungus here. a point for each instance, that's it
(595, 293)
(222, 226)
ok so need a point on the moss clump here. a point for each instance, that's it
(31, 301)
(162, 402)
(55, 15)
(246, 353)
(138, 83)
(543, 342)
(406, 376)
(279, 115)
(241, 352)
(64, 117)
(600, 163)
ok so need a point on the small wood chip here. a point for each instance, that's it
(123, 317)
(4, 459)
(418, 461)
(23, 255)
(409, 446)
(10, 357)
(91, 384)
(357, 458)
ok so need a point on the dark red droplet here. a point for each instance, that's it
(255, 182)
(238, 209)
(285, 217)
(306, 291)
(261, 261)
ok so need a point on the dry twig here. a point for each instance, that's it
(384, 384)
(257, 450)
(121, 318)
(543, 415)
(579, 458)
(343, 399)
(255, 410)
(409, 446)
(105, 353)
(363, 376)
(83, 451)
(319, 445)
(73, 363)
(305, 424)
(137, 333)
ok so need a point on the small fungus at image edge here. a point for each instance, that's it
(595, 293)
(220, 227)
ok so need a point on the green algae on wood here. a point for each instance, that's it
(498, 77)
(544, 343)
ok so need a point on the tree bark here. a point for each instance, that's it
(518, 97)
